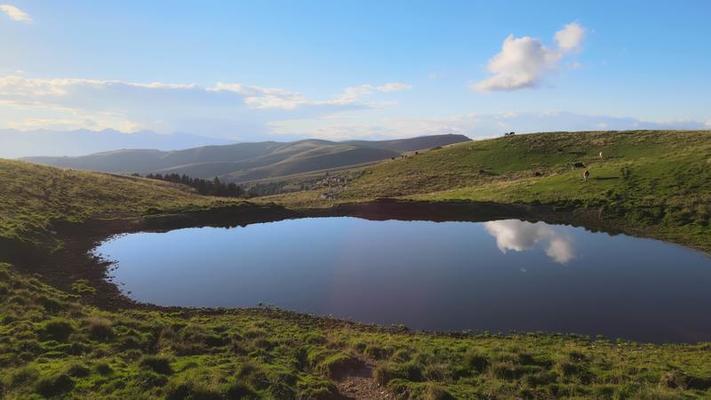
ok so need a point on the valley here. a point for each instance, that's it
(59, 309)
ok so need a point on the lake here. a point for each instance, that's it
(496, 276)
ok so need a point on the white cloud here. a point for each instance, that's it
(231, 110)
(353, 93)
(515, 235)
(279, 98)
(524, 61)
(264, 98)
(570, 38)
(15, 13)
(393, 87)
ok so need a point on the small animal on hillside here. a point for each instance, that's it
(509, 133)
(601, 155)
(586, 175)
(578, 164)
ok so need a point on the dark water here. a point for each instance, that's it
(496, 276)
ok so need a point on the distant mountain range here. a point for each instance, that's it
(243, 162)
(16, 144)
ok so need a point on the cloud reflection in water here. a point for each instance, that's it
(520, 235)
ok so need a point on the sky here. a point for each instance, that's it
(282, 70)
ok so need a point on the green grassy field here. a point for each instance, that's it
(33, 197)
(650, 182)
(56, 344)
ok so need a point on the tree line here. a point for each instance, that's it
(208, 187)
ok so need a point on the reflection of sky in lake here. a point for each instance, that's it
(497, 276)
(520, 235)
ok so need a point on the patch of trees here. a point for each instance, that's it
(208, 187)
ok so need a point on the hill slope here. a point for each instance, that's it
(55, 344)
(659, 180)
(32, 197)
(249, 161)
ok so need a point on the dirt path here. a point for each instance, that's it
(360, 385)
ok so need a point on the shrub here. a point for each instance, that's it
(55, 385)
(340, 364)
(254, 375)
(377, 352)
(387, 372)
(476, 361)
(190, 390)
(318, 390)
(23, 376)
(402, 355)
(100, 329)
(57, 329)
(158, 364)
(575, 371)
(150, 379)
(678, 379)
(436, 392)
(507, 371)
(78, 371)
(104, 368)
(51, 305)
(240, 391)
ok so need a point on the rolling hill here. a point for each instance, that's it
(659, 179)
(245, 162)
(61, 341)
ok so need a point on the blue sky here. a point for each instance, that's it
(341, 69)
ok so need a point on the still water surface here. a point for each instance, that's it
(496, 276)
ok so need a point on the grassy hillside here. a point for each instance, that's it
(56, 344)
(33, 197)
(243, 162)
(644, 179)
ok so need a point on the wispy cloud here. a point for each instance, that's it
(524, 61)
(15, 13)
(223, 109)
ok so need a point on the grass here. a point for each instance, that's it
(33, 198)
(653, 182)
(49, 347)
(55, 344)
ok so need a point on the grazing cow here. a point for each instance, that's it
(586, 175)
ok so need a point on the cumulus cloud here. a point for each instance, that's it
(224, 109)
(570, 38)
(524, 61)
(15, 13)
(515, 235)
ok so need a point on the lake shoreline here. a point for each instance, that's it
(75, 260)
